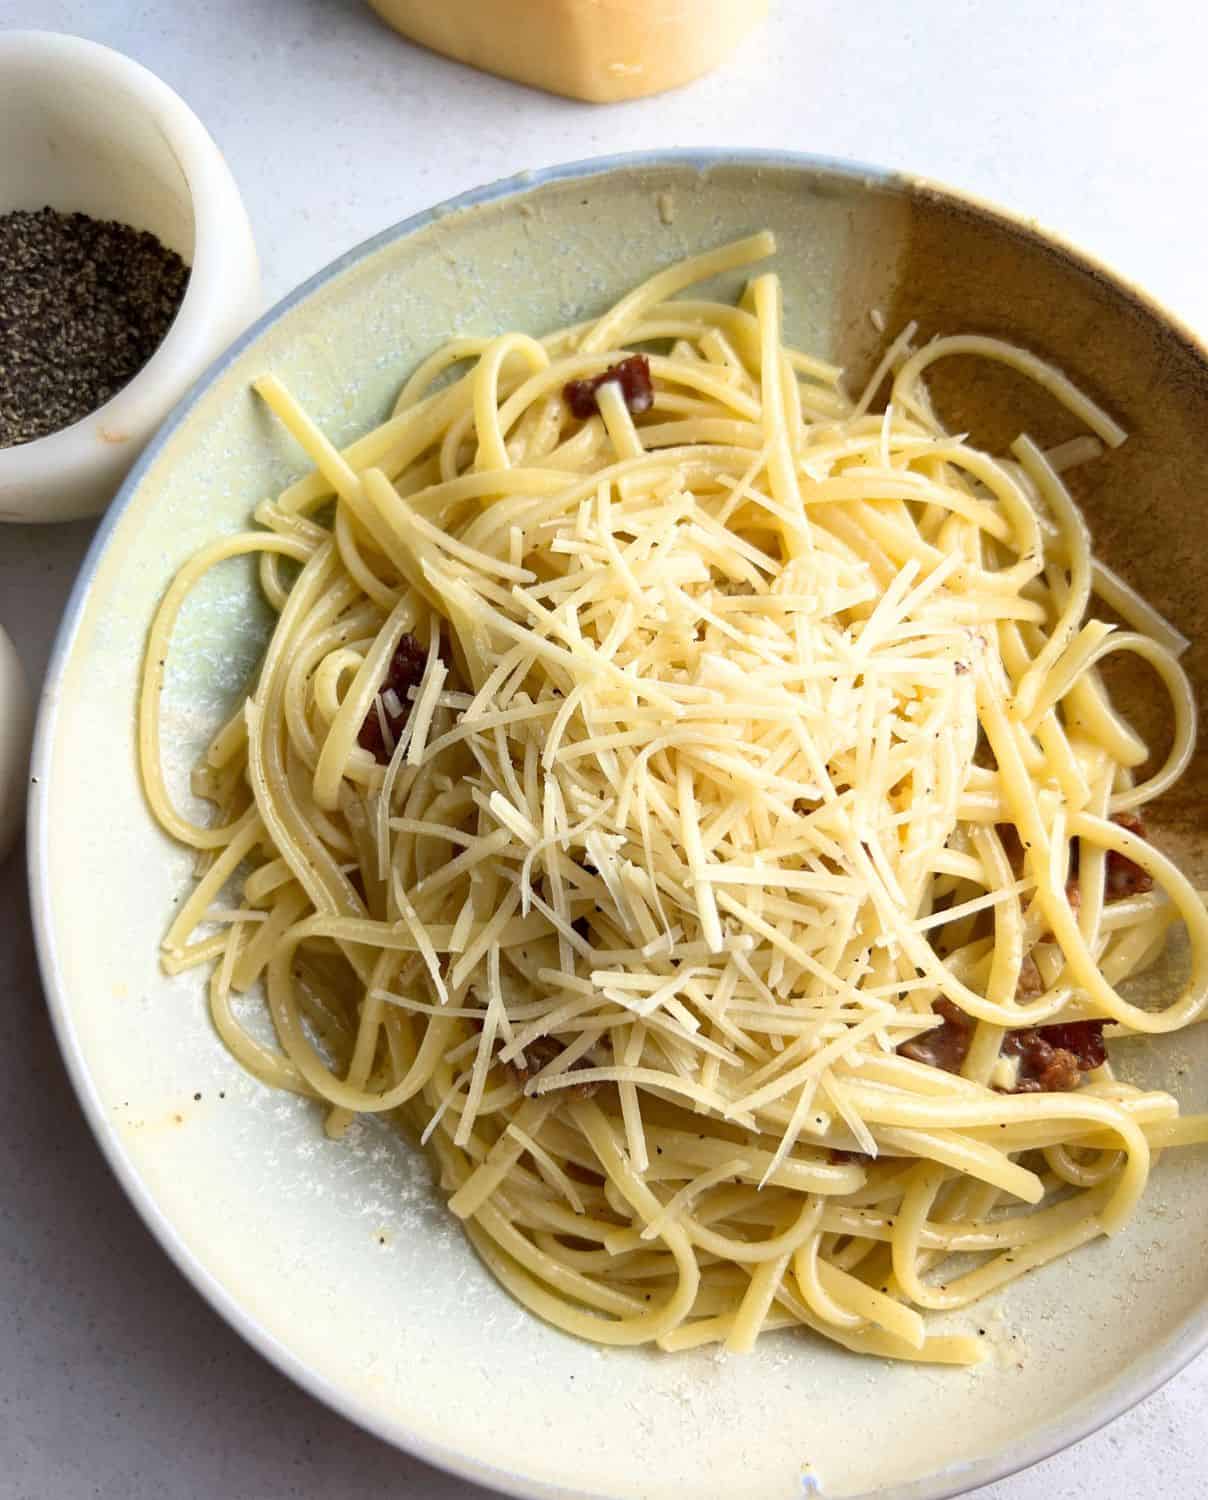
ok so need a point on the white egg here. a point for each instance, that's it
(16, 732)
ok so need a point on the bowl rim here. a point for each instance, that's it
(1048, 1439)
(218, 269)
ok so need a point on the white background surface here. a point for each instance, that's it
(1090, 115)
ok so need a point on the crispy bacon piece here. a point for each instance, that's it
(1124, 877)
(945, 1046)
(539, 1052)
(537, 1055)
(405, 672)
(1073, 894)
(633, 376)
(1052, 1059)
(1083, 1038)
(1031, 981)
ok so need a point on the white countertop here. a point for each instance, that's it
(115, 1378)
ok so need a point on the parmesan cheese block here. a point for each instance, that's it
(599, 50)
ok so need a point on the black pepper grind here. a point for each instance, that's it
(84, 304)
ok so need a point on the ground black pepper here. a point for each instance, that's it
(84, 304)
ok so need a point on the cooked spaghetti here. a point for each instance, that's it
(689, 799)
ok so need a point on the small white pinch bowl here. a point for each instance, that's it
(87, 130)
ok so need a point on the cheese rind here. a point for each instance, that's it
(598, 50)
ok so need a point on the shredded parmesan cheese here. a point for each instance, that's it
(689, 823)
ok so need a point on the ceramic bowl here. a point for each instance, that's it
(88, 130)
(16, 731)
(337, 1259)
